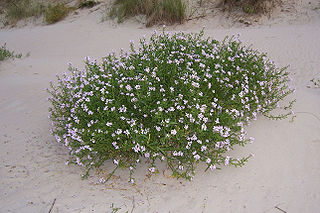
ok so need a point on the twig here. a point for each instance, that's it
(14, 4)
(132, 204)
(54, 201)
(280, 209)
(197, 17)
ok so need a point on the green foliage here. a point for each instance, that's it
(250, 6)
(316, 82)
(156, 11)
(179, 98)
(114, 209)
(6, 54)
(17, 10)
(55, 13)
(87, 4)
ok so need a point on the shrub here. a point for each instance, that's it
(156, 11)
(17, 10)
(251, 6)
(180, 98)
(87, 4)
(5, 53)
(55, 13)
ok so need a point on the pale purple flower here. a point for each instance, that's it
(226, 161)
(116, 161)
(197, 157)
(208, 160)
(173, 132)
(152, 169)
(213, 167)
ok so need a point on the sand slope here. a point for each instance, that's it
(284, 173)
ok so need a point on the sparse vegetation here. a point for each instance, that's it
(250, 6)
(16, 10)
(56, 12)
(156, 11)
(316, 82)
(87, 3)
(6, 54)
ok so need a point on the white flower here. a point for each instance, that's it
(126, 132)
(136, 148)
(116, 161)
(226, 161)
(186, 127)
(173, 132)
(200, 116)
(119, 131)
(152, 169)
(195, 84)
(115, 145)
(197, 157)
(204, 127)
(158, 128)
(208, 160)
(213, 167)
(171, 109)
(251, 139)
(128, 87)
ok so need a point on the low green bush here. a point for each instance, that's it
(56, 12)
(179, 98)
(6, 54)
(87, 3)
(251, 6)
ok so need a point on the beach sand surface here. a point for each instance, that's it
(284, 173)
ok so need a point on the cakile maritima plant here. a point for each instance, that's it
(179, 98)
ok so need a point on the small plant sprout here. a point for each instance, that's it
(7, 54)
(179, 98)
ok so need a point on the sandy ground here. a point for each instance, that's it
(283, 175)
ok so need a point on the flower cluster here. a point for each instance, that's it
(179, 98)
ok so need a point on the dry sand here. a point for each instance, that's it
(283, 175)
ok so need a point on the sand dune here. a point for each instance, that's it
(284, 174)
